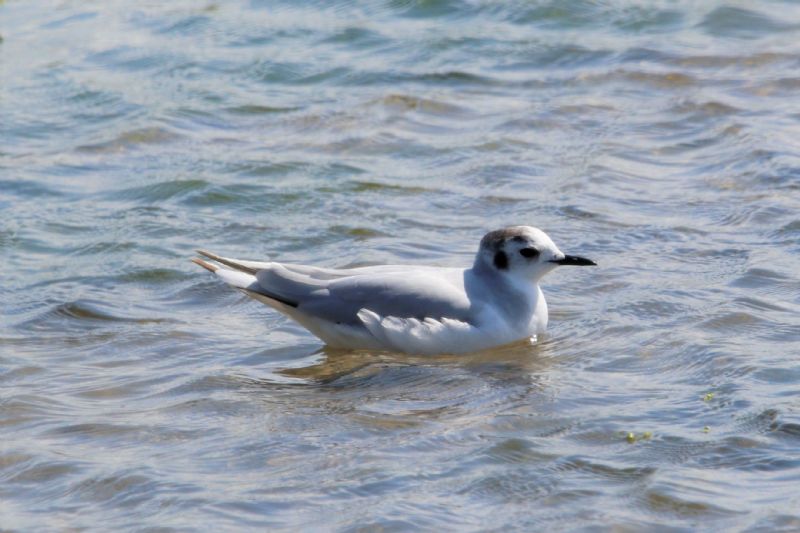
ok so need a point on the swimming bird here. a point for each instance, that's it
(413, 309)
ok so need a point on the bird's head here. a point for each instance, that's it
(523, 252)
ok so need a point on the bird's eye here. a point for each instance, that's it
(530, 253)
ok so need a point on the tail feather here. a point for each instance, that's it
(243, 278)
(208, 266)
(228, 262)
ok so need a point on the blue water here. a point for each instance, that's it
(660, 139)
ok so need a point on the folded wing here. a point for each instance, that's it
(394, 307)
(413, 293)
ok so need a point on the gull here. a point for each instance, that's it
(413, 309)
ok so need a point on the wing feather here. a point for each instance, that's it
(411, 309)
(427, 336)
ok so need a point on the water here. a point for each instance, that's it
(662, 140)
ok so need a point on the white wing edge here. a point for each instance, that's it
(427, 336)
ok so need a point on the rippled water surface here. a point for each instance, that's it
(661, 139)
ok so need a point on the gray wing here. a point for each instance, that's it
(338, 295)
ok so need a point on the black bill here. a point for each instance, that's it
(575, 260)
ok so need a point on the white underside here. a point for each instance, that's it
(409, 335)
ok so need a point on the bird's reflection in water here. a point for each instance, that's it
(523, 360)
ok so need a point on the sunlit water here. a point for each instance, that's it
(661, 140)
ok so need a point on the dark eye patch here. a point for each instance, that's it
(501, 260)
(530, 253)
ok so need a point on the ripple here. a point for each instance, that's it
(121, 489)
(756, 59)
(758, 304)
(387, 188)
(760, 278)
(705, 110)
(26, 189)
(242, 195)
(357, 233)
(255, 109)
(519, 487)
(10, 460)
(790, 230)
(131, 140)
(663, 502)
(758, 422)
(607, 472)
(746, 455)
(779, 374)
(84, 313)
(735, 321)
(730, 21)
(103, 248)
(24, 410)
(656, 80)
(517, 451)
(359, 38)
(655, 309)
(20, 373)
(402, 103)
(159, 192)
(45, 472)
(777, 522)
(83, 310)
(781, 86)
(451, 77)
(787, 430)
(149, 276)
(190, 24)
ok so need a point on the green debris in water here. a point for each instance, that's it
(708, 397)
(706, 429)
(631, 436)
